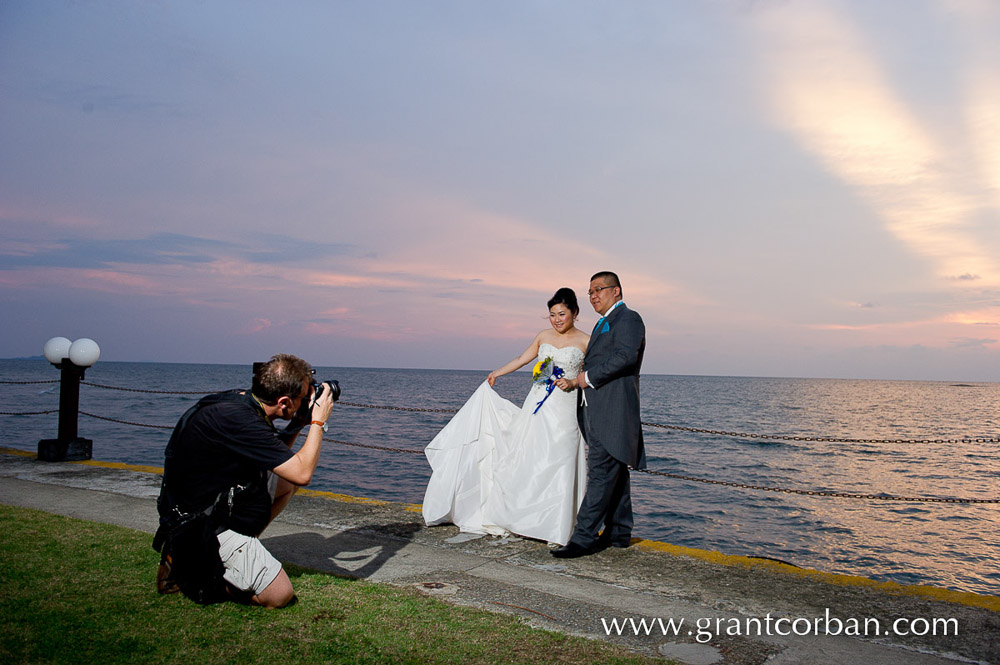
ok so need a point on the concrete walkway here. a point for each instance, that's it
(734, 610)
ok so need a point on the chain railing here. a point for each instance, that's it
(823, 439)
(124, 422)
(397, 408)
(371, 447)
(27, 383)
(823, 493)
(144, 390)
(693, 430)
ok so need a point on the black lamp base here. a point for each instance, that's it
(57, 450)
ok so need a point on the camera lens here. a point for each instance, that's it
(334, 390)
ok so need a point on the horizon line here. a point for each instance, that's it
(957, 382)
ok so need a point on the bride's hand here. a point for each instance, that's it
(492, 378)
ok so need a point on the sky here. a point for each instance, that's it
(800, 188)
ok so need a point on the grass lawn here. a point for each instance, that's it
(73, 591)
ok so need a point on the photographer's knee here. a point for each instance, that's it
(278, 593)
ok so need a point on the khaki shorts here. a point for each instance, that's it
(249, 566)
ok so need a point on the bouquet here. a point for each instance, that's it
(546, 372)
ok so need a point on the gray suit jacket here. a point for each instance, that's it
(611, 415)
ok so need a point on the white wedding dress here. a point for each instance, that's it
(498, 469)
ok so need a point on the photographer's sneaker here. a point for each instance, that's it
(164, 582)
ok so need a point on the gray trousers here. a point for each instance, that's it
(607, 502)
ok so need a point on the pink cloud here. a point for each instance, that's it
(109, 281)
(256, 326)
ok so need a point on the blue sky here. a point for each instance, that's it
(786, 188)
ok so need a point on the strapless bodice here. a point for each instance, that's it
(569, 358)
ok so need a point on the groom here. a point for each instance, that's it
(609, 419)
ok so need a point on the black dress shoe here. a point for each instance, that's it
(606, 542)
(572, 551)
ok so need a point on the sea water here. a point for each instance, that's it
(952, 545)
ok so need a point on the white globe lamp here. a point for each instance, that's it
(84, 352)
(56, 350)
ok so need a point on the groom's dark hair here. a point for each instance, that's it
(609, 277)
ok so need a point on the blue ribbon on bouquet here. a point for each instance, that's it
(550, 385)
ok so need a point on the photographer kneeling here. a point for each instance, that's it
(228, 472)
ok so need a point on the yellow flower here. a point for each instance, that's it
(539, 368)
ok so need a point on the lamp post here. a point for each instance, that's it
(72, 359)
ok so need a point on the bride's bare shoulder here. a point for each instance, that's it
(547, 336)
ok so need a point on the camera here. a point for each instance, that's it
(319, 387)
(330, 385)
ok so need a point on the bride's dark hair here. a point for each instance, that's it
(565, 296)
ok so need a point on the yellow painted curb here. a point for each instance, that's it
(960, 597)
(121, 465)
(15, 451)
(343, 498)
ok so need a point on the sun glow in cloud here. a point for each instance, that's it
(987, 317)
(827, 89)
(984, 124)
(980, 22)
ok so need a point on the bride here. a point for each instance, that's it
(497, 468)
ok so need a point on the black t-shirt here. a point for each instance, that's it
(223, 441)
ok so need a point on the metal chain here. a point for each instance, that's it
(698, 430)
(27, 413)
(125, 422)
(140, 390)
(364, 445)
(397, 408)
(27, 383)
(839, 495)
(825, 439)
(343, 443)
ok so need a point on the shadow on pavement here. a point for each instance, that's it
(356, 553)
